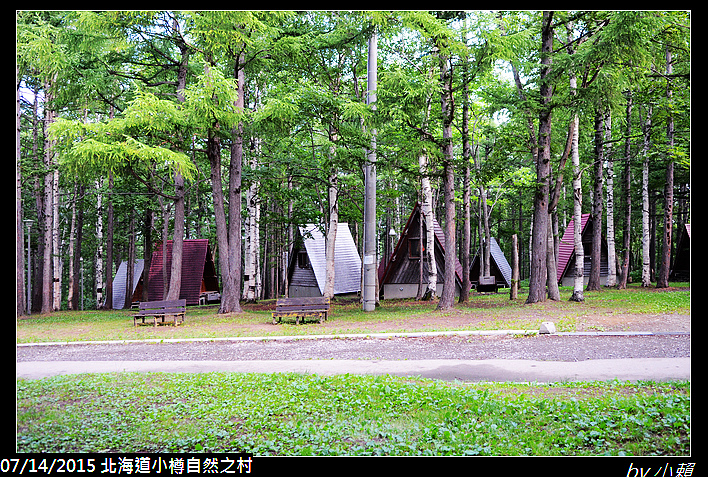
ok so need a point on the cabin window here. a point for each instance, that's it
(414, 248)
(303, 261)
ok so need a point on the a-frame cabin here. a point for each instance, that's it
(566, 253)
(119, 284)
(199, 278)
(399, 274)
(499, 268)
(681, 269)
(307, 267)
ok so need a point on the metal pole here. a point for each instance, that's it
(369, 302)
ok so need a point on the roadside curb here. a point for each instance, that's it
(421, 334)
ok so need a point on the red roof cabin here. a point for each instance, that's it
(199, 280)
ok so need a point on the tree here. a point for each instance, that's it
(40, 49)
(143, 98)
(540, 217)
(239, 39)
(442, 42)
(21, 308)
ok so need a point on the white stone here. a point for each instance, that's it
(547, 327)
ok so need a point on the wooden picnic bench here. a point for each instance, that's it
(161, 309)
(301, 308)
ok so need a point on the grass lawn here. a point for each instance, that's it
(483, 312)
(294, 414)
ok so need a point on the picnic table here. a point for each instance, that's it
(161, 309)
(305, 307)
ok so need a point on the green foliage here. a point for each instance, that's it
(95, 149)
(306, 101)
(291, 414)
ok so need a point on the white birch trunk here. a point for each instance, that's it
(426, 214)
(99, 248)
(578, 275)
(72, 238)
(56, 252)
(646, 260)
(579, 272)
(252, 247)
(49, 182)
(611, 254)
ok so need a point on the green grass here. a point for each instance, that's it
(482, 312)
(293, 414)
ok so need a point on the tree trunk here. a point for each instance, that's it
(646, 257)
(447, 297)
(421, 260)
(173, 292)
(99, 248)
(177, 241)
(109, 247)
(595, 250)
(21, 297)
(579, 271)
(222, 233)
(466, 235)
(426, 215)
(662, 280)
(76, 270)
(610, 197)
(537, 280)
(514, 291)
(233, 303)
(72, 259)
(47, 277)
(466, 190)
(331, 238)
(56, 250)
(627, 177)
(332, 222)
(251, 281)
(165, 209)
(551, 280)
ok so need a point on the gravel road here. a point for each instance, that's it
(558, 347)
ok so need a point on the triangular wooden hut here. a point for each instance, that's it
(499, 268)
(681, 270)
(399, 274)
(119, 282)
(566, 253)
(198, 271)
(307, 267)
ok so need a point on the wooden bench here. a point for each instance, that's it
(487, 284)
(301, 308)
(161, 309)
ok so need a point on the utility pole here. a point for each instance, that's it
(369, 302)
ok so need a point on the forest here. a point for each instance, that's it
(138, 127)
